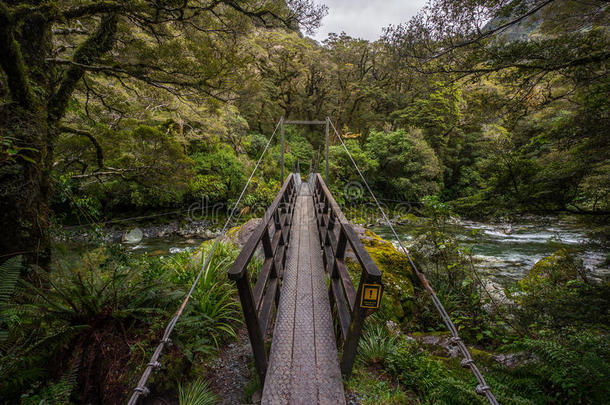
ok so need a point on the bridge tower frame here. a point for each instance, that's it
(326, 122)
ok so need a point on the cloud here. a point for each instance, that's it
(365, 19)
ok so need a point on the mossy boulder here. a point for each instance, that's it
(412, 219)
(241, 233)
(558, 268)
(398, 276)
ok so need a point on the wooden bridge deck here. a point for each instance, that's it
(303, 363)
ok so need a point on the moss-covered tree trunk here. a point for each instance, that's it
(29, 122)
(24, 130)
(25, 187)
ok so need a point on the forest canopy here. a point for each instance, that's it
(495, 107)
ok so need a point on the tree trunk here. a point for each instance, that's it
(26, 156)
(25, 186)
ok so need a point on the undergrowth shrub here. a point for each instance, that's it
(213, 312)
(376, 344)
(99, 317)
(571, 304)
(449, 269)
(78, 316)
(568, 366)
(442, 380)
(196, 393)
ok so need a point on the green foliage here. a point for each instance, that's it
(442, 381)
(376, 344)
(260, 195)
(430, 379)
(145, 166)
(10, 271)
(102, 286)
(196, 393)
(570, 366)
(10, 150)
(219, 174)
(56, 393)
(407, 167)
(70, 314)
(438, 114)
(213, 312)
(70, 203)
(298, 149)
(342, 171)
(449, 272)
(110, 297)
(255, 144)
(373, 389)
(571, 304)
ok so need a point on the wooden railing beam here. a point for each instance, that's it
(342, 292)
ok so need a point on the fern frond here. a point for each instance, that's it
(10, 271)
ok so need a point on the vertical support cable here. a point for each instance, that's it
(468, 361)
(327, 141)
(283, 144)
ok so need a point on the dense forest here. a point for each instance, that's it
(116, 109)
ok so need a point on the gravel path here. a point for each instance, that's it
(229, 374)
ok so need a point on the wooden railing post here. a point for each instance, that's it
(350, 347)
(254, 331)
(339, 254)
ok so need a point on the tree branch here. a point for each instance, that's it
(94, 46)
(98, 148)
(491, 31)
(99, 7)
(112, 172)
(11, 60)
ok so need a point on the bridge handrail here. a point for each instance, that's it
(257, 303)
(238, 269)
(335, 232)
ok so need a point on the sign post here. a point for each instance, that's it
(371, 296)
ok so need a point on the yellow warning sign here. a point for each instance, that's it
(371, 296)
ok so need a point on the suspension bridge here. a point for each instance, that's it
(303, 300)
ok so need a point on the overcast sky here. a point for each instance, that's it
(365, 18)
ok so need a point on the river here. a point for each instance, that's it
(506, 253)
(503, 253)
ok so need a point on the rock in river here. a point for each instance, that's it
(133, 236)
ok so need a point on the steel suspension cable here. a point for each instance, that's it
(153, 364)
(467, 361)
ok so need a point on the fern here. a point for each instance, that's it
(56, 393)
(213, 312)
(9, 275)
(197, 393)
(376, 345)
(10, 271)
(572, 366)
(102, 296)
